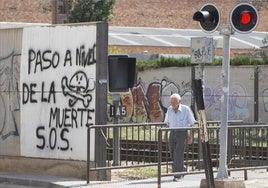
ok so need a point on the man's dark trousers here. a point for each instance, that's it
(177, 144)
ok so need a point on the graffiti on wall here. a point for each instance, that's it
(58, 92)
(238, 102)
(263, 75)
(9, 95)
(149, 104)
(265, 99)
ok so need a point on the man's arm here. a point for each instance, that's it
(166, 121)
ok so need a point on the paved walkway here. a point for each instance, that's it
(257, 179)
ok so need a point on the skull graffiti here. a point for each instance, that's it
(78, 88)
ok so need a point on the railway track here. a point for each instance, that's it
(147, 151)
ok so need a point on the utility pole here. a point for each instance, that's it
(54, 11)
(59, 11)
(225, 31)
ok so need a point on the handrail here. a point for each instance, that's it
(159, 175)
(161, 128)
(127, 124)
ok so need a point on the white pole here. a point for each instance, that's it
(226, 32)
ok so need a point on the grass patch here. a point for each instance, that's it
(135, 173)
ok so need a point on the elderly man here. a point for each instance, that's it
(178, 115)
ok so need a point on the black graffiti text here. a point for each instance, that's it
(41, 60)
(29, 92)
(68, 58)
(53, 139)
(85, 58)
(70, 117)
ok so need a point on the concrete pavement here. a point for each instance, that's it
(257, 179)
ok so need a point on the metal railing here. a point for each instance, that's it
(135, 140)
(145, 144)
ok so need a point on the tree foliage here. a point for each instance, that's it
(91, 10)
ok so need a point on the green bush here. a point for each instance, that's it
(182, 62)
(148, 64)
(163, 62)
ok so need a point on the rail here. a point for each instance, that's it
(138, 131)
(140, 146)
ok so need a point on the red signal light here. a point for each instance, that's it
(245, 18)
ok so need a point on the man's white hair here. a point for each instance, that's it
(175, 96)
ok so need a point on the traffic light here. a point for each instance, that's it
(122, 73)
(208, 17)
(244, 18)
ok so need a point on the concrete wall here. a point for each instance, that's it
(41, 166)
(149, 100)
(10, 54)
(263, 94)
(47, 98)
(57, 78)
(53, 62)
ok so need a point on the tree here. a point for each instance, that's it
(91, 10)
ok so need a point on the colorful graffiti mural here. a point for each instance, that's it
(149, 104)
(238, 102)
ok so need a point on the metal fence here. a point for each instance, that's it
(140, 145)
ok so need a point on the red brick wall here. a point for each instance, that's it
(25, 11)
(136, 13)
(174, 13)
